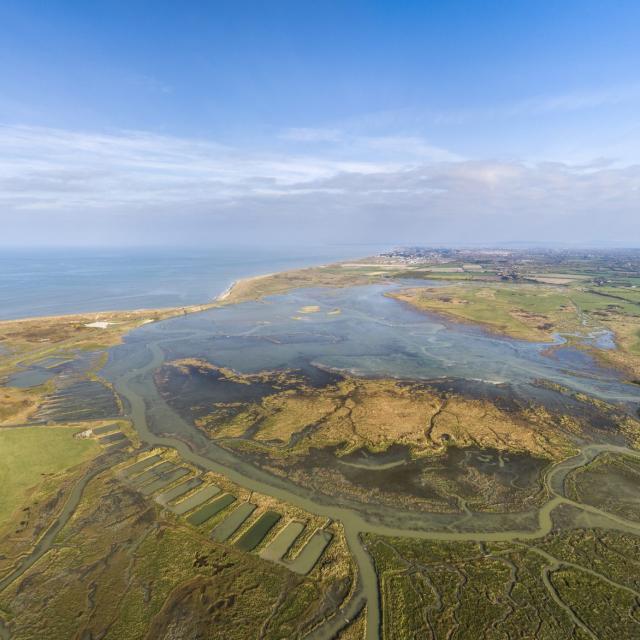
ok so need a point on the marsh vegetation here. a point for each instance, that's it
(277, 469)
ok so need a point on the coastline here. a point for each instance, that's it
(77, 329)
(38, 282)
(226, 293)
(226, 297)
(107, 328)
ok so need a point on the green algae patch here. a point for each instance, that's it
(249, 540)
(209, 510)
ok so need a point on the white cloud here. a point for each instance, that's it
(52, 168)
(541, 105)
(54, 183)
(308, 134)
(410, 146)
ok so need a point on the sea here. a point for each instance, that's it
(43, 282)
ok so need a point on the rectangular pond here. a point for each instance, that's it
(195, 499)
(177, 491)
(277, 548)
(232, 522)
(164, 481)
(311, 552)
(116, 446)
(139, 466)
(153, 474)
(209, 510)
(255, 534)
(80, 401)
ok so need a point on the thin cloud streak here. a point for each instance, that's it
(310, 134)
(55, 168)
(56, 185)
(543, 105)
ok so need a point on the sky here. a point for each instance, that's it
(204, 123)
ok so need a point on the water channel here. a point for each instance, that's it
(362, 331)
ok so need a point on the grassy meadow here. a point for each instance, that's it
(31, 455)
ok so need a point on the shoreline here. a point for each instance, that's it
(114, 324)
(226, 293)
(612, 359)
(222, 297)
(445, 316)
(94, 316)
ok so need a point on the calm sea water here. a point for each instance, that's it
(46, 282)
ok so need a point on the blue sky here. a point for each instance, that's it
(203, 122)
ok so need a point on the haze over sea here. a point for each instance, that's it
(41, 282)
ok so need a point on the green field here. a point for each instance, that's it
(30, 455)
(530, 312)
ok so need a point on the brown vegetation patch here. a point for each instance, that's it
(17, 405)
(354, 413)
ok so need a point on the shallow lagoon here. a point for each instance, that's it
(373, 335)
